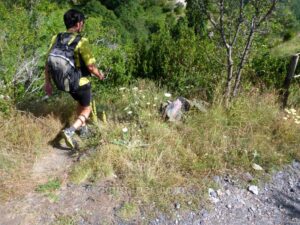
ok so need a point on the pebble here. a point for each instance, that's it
(228, 192)
(257, 167)
(247, 177)
(220, 193)
(177, 205)
(253, 189)
(212, 193)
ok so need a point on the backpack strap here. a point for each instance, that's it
(75, 42)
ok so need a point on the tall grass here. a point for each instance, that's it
(155, 159)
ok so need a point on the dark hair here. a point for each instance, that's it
(73, 16)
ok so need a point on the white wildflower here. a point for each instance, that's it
(122, 88)
(297, 122)
(129, 112)
(148, 103)
(168, 95)
(293, 111)
(154, 105)
(287, 111)
(155, 98)
(285, 118)
(143, 96)
(126, 108)
(125, 130)
(135, 89)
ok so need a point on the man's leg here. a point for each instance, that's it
(83, 97)
(83, 113)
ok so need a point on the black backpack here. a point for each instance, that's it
(61, 63)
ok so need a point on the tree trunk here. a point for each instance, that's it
(229, 76)
(243, 60)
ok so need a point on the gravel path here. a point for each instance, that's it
(275, 203)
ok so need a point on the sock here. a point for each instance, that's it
(71, 129)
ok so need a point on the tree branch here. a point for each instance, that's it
(268, 13)
(222, 31)
(240, 21)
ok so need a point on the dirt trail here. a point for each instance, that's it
(277, 202)
(88, 204)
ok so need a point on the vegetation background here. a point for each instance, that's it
(151, 47)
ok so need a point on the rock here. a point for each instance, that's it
(247, 177)
(177, 205)
(228, 192)
(220, 193)
(257, 167)
(296, 164)
(213, 196)
(212, 193)
(253, 189)
(229, 206)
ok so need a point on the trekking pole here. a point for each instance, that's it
(94, 113)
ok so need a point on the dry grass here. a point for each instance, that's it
(23, 138)
(163, 163)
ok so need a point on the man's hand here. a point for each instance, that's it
(101, 76)
(48, 88)
(93, 69)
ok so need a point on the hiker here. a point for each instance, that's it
(75, 80)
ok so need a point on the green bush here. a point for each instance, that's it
(178, 59)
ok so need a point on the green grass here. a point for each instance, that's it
(51, 186)
(288, 48)
(64, 220)
(128, 211)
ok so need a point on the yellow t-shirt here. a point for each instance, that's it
(82, 49)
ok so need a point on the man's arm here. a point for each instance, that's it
(94, 70)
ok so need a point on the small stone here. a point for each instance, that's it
(228, 192)
(212, 193)
(229, 206)
(257, 167)
(220, 193)
(253, 189)
(177, 205)
(251, 209)
(242, 201)
(247, 177)
(296, 164)
(189, 202)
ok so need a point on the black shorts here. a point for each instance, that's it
(83, 95)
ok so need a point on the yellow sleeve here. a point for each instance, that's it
(85, 52)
